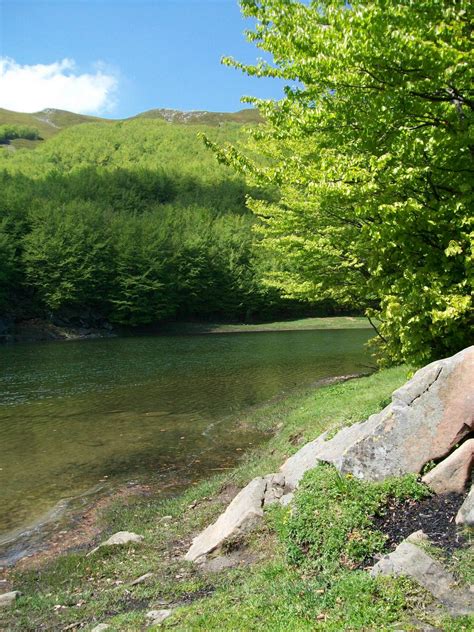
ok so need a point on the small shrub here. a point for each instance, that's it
(330, 526)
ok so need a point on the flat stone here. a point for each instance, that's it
(101, 627)
(465, 515)
(427, 417)
(453, 473)
(410, 560)
(7, 599)
(141, 579)
(158, 616)
(119, 538)
(243, 513)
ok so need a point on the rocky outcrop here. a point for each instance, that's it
(411, 560)
(453, 473)
(465, 515)
(427, 417)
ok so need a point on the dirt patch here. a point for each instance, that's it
(80, 531)
(434, 515)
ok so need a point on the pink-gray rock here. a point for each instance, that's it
(427, 417)
(274, 489)
(121, 537)
(243, 513)
(465, 515)
(453, 473)
(7, 599)
(410, 560)
(155, 617)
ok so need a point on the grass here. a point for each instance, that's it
(276, 592)
(59, 119)
(54, 121)
(327, 322)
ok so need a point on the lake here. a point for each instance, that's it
(78, 416)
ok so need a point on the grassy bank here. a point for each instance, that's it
(300, 324)
(269, 589)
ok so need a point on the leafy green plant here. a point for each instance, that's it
(330, 527)
(370, 149)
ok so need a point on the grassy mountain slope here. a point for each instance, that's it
(48, 122)
(130, 221)
(51, 121)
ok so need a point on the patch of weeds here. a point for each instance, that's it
(330, 526)
(462, 563)
(427, 467)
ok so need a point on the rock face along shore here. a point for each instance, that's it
(430, 419)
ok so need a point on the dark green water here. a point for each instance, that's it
(76, 414)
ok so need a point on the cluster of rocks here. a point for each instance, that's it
(429, 421)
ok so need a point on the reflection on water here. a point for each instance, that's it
(73, 414)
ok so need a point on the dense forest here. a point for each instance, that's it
(371, 151)
(132, 223)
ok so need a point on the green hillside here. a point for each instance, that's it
(133, 222)
(51, 121)
(48, 122)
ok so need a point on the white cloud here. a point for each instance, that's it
(58, 85)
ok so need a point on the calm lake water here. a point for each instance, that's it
(76, 414)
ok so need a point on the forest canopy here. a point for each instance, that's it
(130, 222)
(371, 149)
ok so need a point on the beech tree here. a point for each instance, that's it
(371, 151)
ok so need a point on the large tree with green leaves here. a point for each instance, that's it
(371, 150)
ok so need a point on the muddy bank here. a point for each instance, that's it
(36, 330)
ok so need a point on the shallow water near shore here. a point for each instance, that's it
(86, 415)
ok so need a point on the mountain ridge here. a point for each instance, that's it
(50, 121)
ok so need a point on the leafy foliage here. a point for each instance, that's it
(134, 222)
(11, 132)
(371, 149)
(330, 527)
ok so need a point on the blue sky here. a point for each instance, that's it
(118, 58)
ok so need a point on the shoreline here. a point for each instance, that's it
(67, 517)
(251, 584)
(39, 330)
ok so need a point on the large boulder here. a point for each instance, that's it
(453, 473)
(427, 417)
(243, 513)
